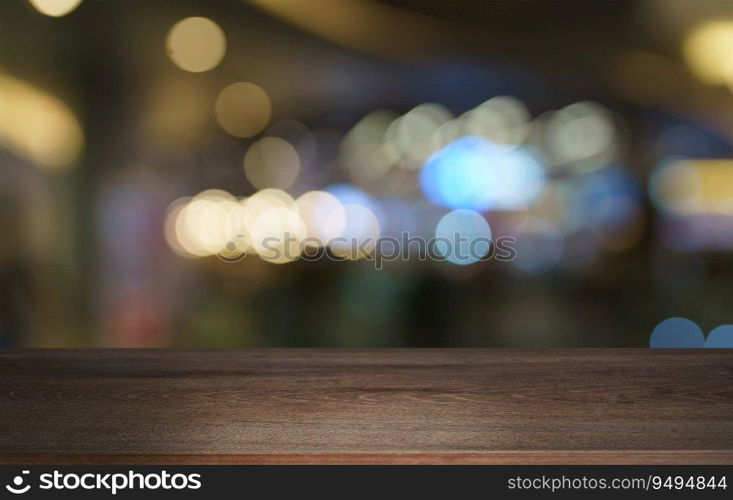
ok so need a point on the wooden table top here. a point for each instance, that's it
(366, 406)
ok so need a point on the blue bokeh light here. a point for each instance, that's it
(721, 337)
(677, 332)
(463, 237)
(473, 173)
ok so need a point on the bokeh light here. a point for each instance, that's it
(266, 199)
(708, 50)
(243, 109)
(212, 222)
(347, 193)
(38, 126)
(502, 120)
(172, 214)
(474, 173)
(271, 162)
(360, 234)
(196, 44)
(677, 332)
(413, 134)
(371, 129)
(323, 215)
(54, 8)
(370, 163)
(581, 137)
(720, 337)
(277, 234)
(463, 237)
(693, 187)
(203, 227)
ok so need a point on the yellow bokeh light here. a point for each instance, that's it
(271, 162)
(205, 227)
(369, 130)
(708, 50)
(277, 234)
(243, 109)
(501, 119)
(266, 199)
(213, 222)
(581, 136)
(694, 187)
(37, 126)
(54, 8)
(169, 226)
(413, 134)
(372, 162)
(323, 215)
(215, 194)
(196, 44)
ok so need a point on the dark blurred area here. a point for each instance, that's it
(149, 148)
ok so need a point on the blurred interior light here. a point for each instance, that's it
(581, 137)
(37, 126)
(463, 237)
(694, 186)
(210, 223)
(677, 332)
(243, 109)
(360, 234)
(346, 193)
(215, 222)
(708, 50)
(323, 215)
(501, 119)
(203, 227)
(414, 133)
(54, 8)
(447, 133)
(277, 234)
(371, 162)
(271, 162)
(169, 227)
(196, 44)
(266, 199)
(471, 172)
(370, 130)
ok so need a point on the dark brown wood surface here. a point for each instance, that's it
(366, 406)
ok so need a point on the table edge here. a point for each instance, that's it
(494, 457)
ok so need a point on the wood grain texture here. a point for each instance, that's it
(367, 406)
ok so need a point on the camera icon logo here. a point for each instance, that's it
(17, 487)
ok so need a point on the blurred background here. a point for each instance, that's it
(147, 146)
